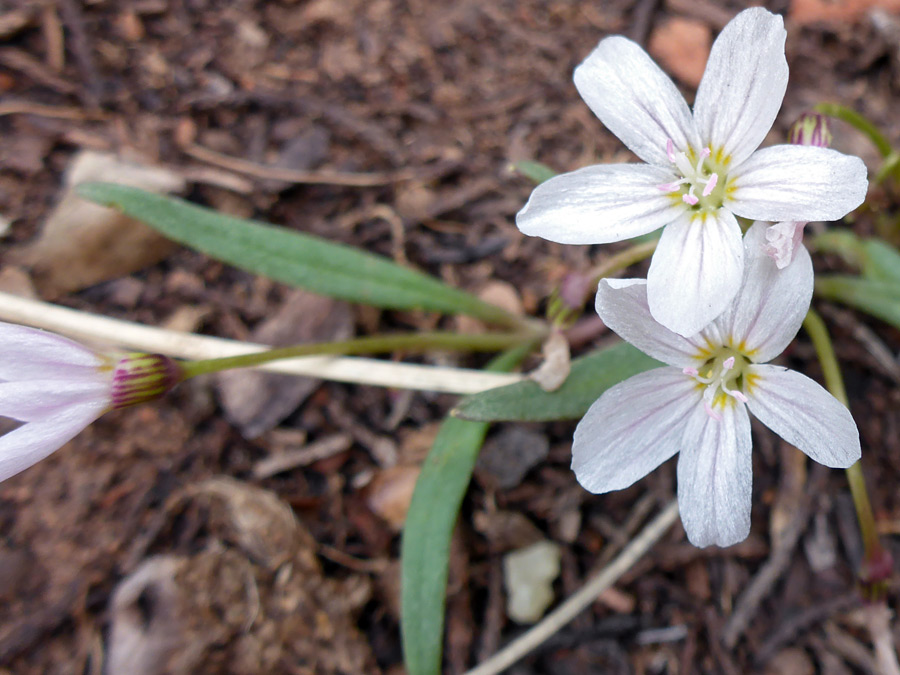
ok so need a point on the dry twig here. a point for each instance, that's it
(569, 609)
(90, 327)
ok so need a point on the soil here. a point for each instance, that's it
(156, 542)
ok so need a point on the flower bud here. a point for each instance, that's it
(139, 378)
(810, 129)
(875, 574)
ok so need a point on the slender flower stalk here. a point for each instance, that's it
(374, 344)
(877, 565)
(703, 168)
(698, 405)
(57, 386)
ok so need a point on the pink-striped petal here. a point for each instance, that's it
(33, 400)
(804, 414)
(35, 441)
(599, 204)
(715, 476)
(636, 100)
(696, 271)
(632, 428)
(28, 353)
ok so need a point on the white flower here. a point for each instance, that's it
(702, 170)
(698, 404)
(57, 387)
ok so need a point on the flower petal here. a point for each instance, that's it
(599, 204)
(796, 182)
(32, 400)
(622, 304)
(29, 353)
(635, 100)
(804, 414)
(769, 308)
(783, 241)
(632, 429)
(34, 441)
(696, 271)
(715, 477)
(744, 84)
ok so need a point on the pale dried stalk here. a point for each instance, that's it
(134, 336)
(583, 598)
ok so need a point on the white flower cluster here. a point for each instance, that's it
(715, 306)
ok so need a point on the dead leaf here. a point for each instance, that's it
(507, 530)
(256, 402)
(390, 492)
(500, 293)
(551, 374)
(509, 455)
(81, 243)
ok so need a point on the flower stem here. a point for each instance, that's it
(876, 566)
(623, 259)
(372, 344)
(858, 121)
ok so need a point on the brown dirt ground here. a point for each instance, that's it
(455, 91)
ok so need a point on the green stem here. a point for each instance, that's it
(818, 332)
(373, 344)
(859, 122)
(623, 259)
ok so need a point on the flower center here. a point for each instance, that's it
(722, 379)
(704, 180)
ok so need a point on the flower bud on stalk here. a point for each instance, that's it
(139, 378)
(57, 387)
(811, 129)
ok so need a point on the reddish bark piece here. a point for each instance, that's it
(837, 11)
(682, 48)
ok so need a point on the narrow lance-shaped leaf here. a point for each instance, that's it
(535, 171)
(293, 258)
(881, 299)
(525, 401)
(432, 515)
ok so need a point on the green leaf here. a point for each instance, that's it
(293, 258)
(882, 261)
(432, 515)
(881, 299)
(535, 171)
(525, 401)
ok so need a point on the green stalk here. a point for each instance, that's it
(876, 562)
(859, 122)
(373, 344)
(622, 259)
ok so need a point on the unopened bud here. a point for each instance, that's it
(875, 574)
(810, 129)
(139, 378)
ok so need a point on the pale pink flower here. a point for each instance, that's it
(698, 405)
(702, 168)
(57, 387)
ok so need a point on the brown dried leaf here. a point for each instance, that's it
(390, 493)
(82, 244)
(557, 363)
